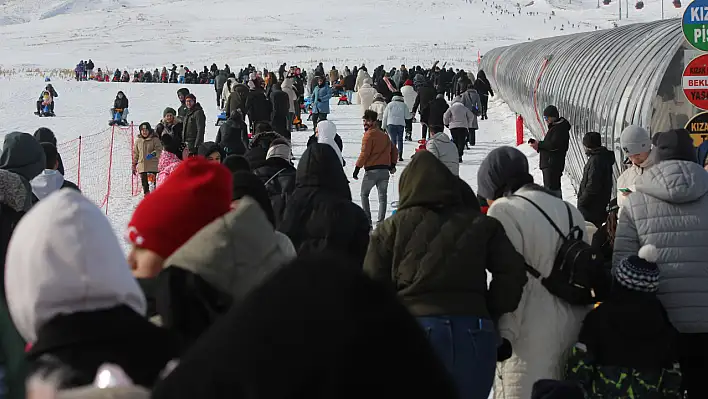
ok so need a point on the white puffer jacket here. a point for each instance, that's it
(445, 150)
(396, 113)
(365, 96)
(379, 106)
(226, 92)
(409, 96)
(543, 328)
(361, 76)
(628, 178)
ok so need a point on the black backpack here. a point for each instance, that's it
(575, 264)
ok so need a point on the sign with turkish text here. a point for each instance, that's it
(698, 128)
(695, 81)
(695, 19)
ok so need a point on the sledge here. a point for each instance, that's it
(118, 123)
(220, 119)
(298, 125)
(421, 147)
(44, 114)
(344, 100)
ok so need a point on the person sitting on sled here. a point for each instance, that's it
(45, 104)
(119, 112)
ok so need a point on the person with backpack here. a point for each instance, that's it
(539, 333)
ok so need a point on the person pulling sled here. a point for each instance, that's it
(119, 112)
(45, 104)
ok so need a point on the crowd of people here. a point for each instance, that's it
(233, 230)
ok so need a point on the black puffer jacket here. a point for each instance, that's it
(554, 146)
(435, 112)
(233, 136)
(426, 94)
(436, 250)
(259, 148)
(595, 188)
(320, 215)
(281, 110)
(278, 176)
(120, 103)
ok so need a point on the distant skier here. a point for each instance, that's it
(119, 112)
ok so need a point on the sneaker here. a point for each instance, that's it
(400, 158)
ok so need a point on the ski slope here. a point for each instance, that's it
(42, 37)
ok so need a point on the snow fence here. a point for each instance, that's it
(96, 163)
(600, 81)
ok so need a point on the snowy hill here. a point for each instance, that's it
(129, 34)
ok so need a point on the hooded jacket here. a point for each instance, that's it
(71, 294)
(365, 96)
(426, 94)
(260, 144)
(435, 113)
(144, 147)
(24, 156)
(258, 106)
(311, 327)
(436, 250)
(396, 113)
(669, 209)
(233, 136)
(320, 98)
(220, 81)
(44, 135)
(226, 90)
(194, 126)
(167, 164)
(48, 182)
(361, 77)
(595, 190)
(120, 103)
(217, 268)
(237, 99)
(458, 116)
(554, 146)
(444, 150)
(327, 134)
(320, 215)
(289, 89)
(543, 328)
(278, 177)
(281, 104)
(379, 106)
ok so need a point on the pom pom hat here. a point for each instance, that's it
(639, 273)
(195, 194)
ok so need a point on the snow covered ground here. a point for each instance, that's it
(44, 36)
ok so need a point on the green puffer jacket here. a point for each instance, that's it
(435, 251)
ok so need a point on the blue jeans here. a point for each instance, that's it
(467, 346)
(396, 134)
(350, 96)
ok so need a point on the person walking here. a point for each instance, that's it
(395, 117)
(552, 149)
(458, 119)
(146, 155)
(320, 100)
(378, 158)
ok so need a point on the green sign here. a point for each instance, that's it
(695, 24)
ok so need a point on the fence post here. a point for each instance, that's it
(78, 169)
(132, 150)
(110, 170)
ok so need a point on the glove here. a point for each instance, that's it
(356, 173)
(504, 350)
(393, 169)
(151, 155)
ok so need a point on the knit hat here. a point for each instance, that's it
(639, 272)
(169, 110)
(504, 170)
(191, 96)
(635, 140)
(551, 112)
(183, 91)
(408, 83)
(675, 145)
(279, 150)
(196, 193)
(592, 140)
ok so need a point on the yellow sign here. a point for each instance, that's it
(698, 128)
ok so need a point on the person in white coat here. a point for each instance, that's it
(458, 119)
(71, 295)
(636, 145)
(365, 96)
(289, 89)
(226, 92)
(543, 328)
(379, 106)
(395, 117)
(409, 96)
(361, 78)
(444, 149)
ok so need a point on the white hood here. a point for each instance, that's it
(64, 258)
(326, 132)
(46, 183)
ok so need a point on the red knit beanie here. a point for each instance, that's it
(408, 83)
(196, 193)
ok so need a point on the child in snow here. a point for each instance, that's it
(627, 346)
(146, 155)
(173, 153)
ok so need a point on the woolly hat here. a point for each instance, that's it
(191, 96)
(635, 140)
(639, 272)
(592, 140)
(505, 169)
(169, 110)
(196, 193)
(551, 112)
(408, 83)
(675, 145)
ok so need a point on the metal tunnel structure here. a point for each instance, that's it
(600, 81)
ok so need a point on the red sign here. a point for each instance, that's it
(695, 82)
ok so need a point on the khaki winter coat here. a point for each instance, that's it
(628, 178)
(144, 147)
